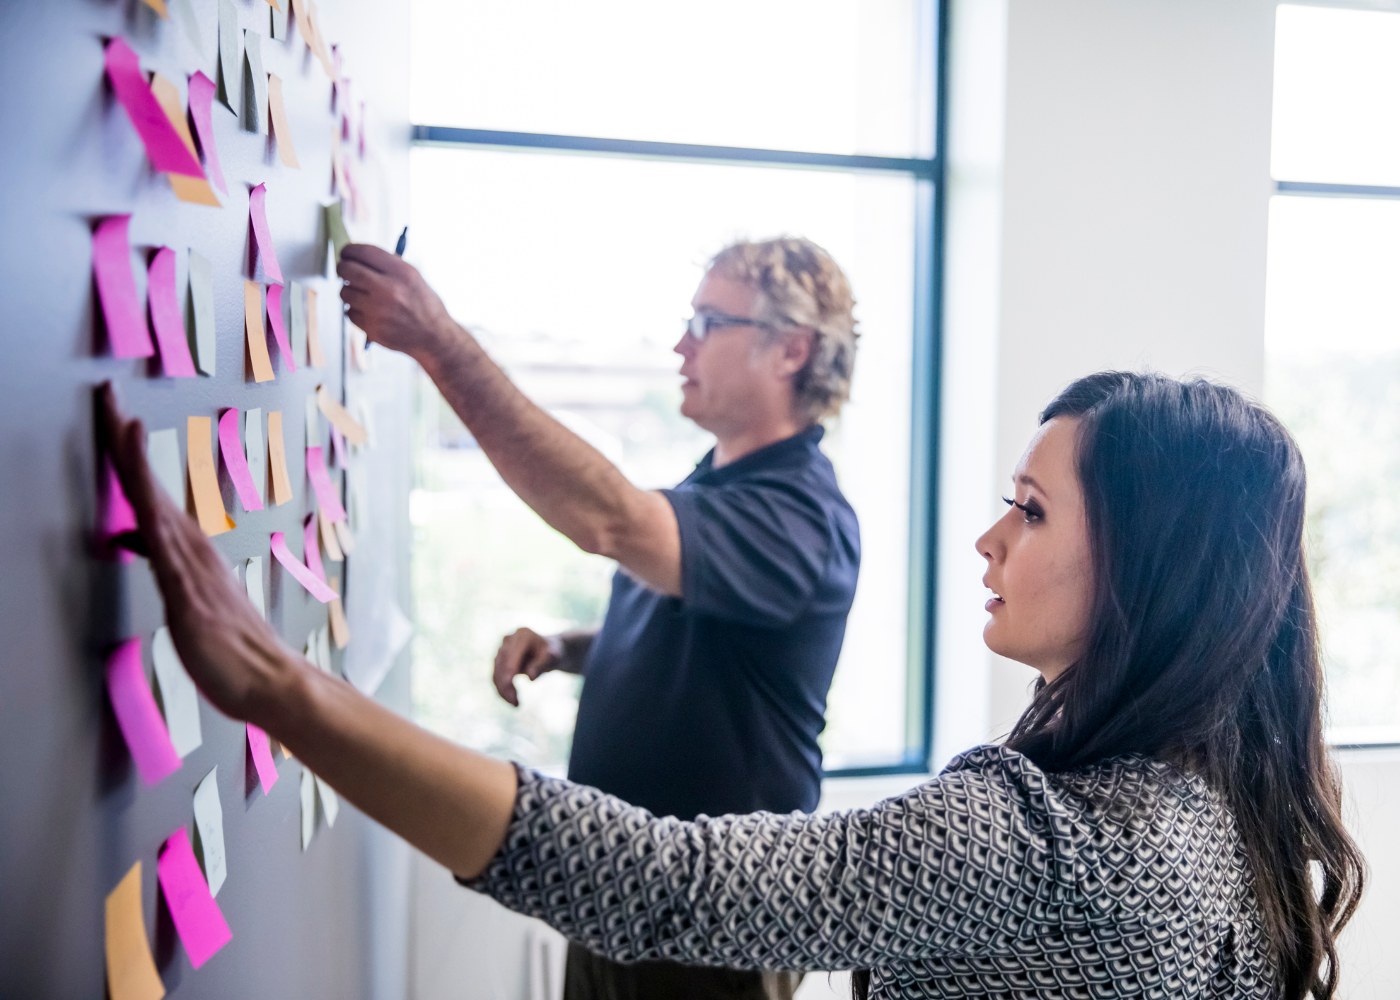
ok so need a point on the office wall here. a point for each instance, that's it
(74, 815)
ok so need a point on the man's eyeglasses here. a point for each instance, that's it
(702, 324)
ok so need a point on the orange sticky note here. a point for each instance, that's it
(338, 415)
(340, 628)
(285, 150)
(313, 341)
(158, 6)
(131, 972)
(257, 334)
(204, 480)
(277, 459)
(195, 190)
(329, 542)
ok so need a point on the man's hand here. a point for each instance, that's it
(230, 652)
(390, 301)
(526, 652)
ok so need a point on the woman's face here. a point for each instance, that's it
(1038, 564)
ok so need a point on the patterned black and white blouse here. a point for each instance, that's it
(995, 879)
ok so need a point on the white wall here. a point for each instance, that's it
(1108, 196)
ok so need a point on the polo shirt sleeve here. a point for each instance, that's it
(752, 552)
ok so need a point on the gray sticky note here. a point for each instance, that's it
(254, 85)
(184, 13)
(308, 808)
(253, 581)
(202, 315)
(230, 79)
(167, 462)
(255, 444)
(298, 293)
(279, 23)
(177, 694)
(330, 802)
(209, 828)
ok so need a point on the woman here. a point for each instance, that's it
(1148, 829)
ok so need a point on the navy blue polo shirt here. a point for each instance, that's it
(712, 702)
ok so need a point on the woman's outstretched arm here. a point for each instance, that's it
(449, 802)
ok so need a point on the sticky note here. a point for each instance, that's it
(116, 516)
(177, 694)
(279, 326)
(204, 480)
(330, 801)
(162, 142)
(137, 715)
(311, 539)
(339, 450)
(330, 543)
(314, 355)
(323, 650)
(198, 919)
(209, 831)
(235, 461)
(326, 495)
(229, 66)
(345, 536)
(122, 309)
(286, 151)
(167, 318)
(131, 971)
(184, 13)
(202, 110)
(277, 459)
(279, 23)
(253, 583)
(202, 312)
(308, 808)
(261, 751)
(257, 213)
(296, 302)
(335, 228)
(258, 357)
(315, 586)
(338, 415)
(340, 628)
(163, 454)
(195, 190)
(158, 6)
(254, 85)
(313, 421)
(256, 447)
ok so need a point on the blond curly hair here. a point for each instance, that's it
(800, 285)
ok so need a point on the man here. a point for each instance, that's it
(705, 688)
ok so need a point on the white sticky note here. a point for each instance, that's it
(279, 23)
(201, 313)
(345, 536)
(167, 462)
(209, 826)
(230, 79)
(313, 423)
(330, 802)
(177, 694)
(253, 581)
(308, 808)
(255, 444)
(298, 294)
(323, 646)
(255, 85)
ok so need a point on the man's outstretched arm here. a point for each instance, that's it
(563, 478)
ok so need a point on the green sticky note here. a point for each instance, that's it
(335, 228)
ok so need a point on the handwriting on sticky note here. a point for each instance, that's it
(137, 715)
(277, 457)
(316, 587)
(122, 308)
(235, 461)
(257, 214)
(279, 328)
(167, 317)
(261, 751)
(258, 357)
(162, 142)
(197, 917)
(177, 694)
(209, 825)
(326, 495)
(202, 111)
(204, 480)
(131, 971)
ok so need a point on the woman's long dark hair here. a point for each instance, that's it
(1203, 649)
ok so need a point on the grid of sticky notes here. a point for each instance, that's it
(157, 305)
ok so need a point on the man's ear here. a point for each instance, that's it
(796, 350)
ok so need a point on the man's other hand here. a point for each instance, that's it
(389, 300)
(526, 652)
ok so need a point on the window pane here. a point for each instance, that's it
(579, 269)
(836, 76)
(1333, 353)
(1337, 96)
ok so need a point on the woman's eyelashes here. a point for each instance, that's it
(1030, 508)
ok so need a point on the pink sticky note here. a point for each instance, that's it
(198, 919)
(202, 108)
(117, 516)
(257, 212)
(121, 306)
(315, 587)
(137, 715)
(279, 328)
(262, 758)
(163, 144)
(326, 496)
(236, 460)
(338, 449)
(312, 537)
(167, 316)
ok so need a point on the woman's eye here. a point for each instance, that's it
(1029, 509)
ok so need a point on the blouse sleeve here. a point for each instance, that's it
(965, 864)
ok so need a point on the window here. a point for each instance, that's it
(1332, 332)
(570, 178)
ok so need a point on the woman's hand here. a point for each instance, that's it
(231, 653)
(390, 301)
